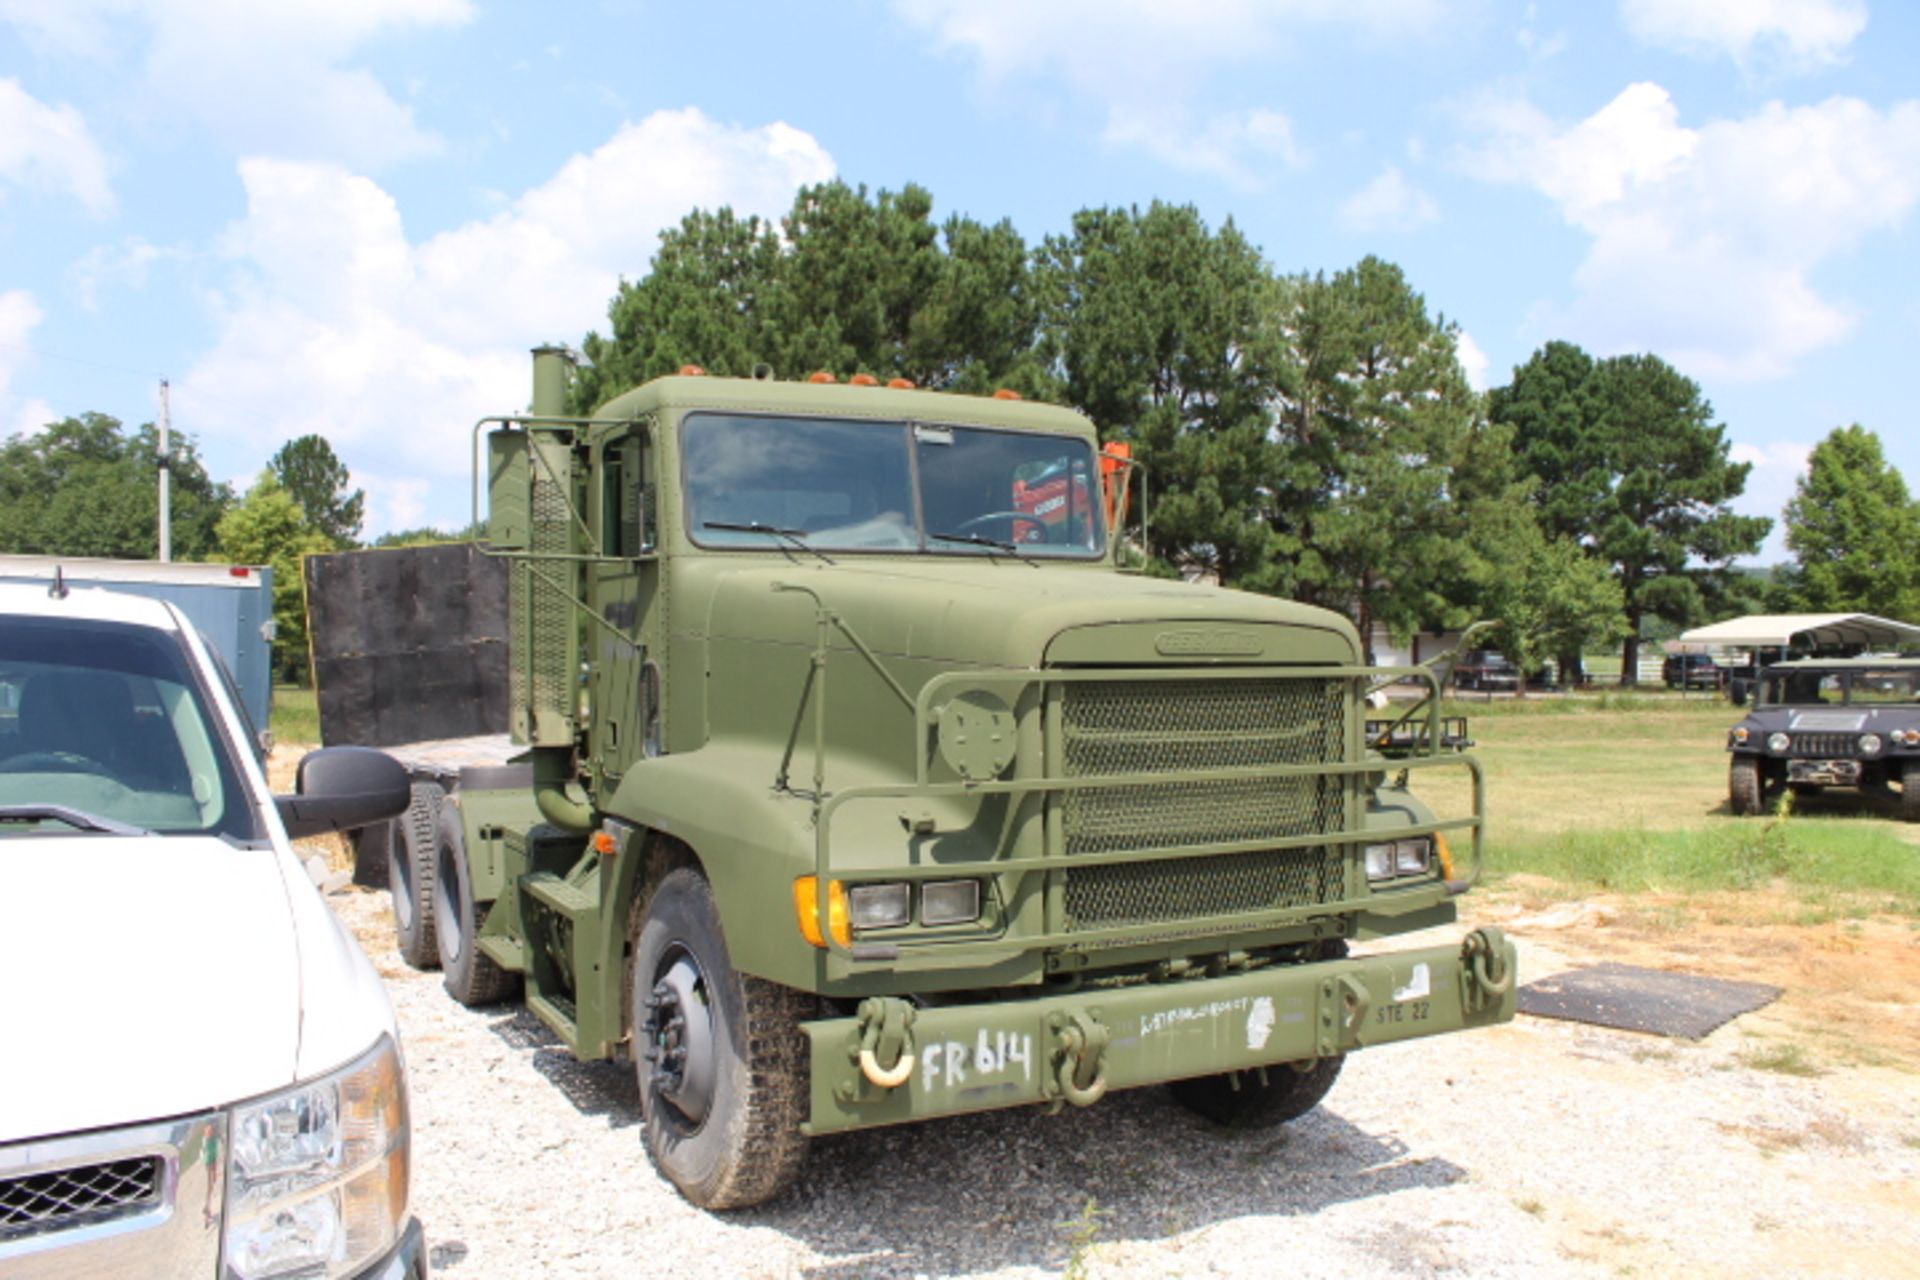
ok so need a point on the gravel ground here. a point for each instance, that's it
(1536, 1149)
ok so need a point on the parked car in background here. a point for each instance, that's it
(1691, 671)
(1486, 669)
(202, 1073)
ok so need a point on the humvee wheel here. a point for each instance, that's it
(410, 859)
(1910, 791)
(1291, 1090)
(469, 975)
(1745, 792)
(720, 1057)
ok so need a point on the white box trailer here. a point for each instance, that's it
(231, 604)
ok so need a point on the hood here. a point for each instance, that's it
(1002, 611)
(145, 978)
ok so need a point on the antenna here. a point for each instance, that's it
(165, 462)
(58, 590)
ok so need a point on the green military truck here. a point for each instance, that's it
(853, 780)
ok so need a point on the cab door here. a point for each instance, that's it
(625, 582)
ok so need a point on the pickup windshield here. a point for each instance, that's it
(106, 721)
(852, 485)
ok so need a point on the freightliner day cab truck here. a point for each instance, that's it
(854, 781)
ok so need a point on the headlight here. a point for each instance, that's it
(1400, 858)
(879, 906)
(1740, 734)
(1778, 742)
(1869, 743)
(949, 901)
(317, 1174)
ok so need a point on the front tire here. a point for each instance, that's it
(721, 1061)
(469, 974)
(1290, 1091)
(410, 866)
(1746, 793)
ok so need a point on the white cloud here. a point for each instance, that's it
(1388, 203)
(1148, 63)
(261, 77)
(332, 321)
(396, 502)
(19, 316)
(1473, 360)
(1704, 241)
(1787, 36)
(43, 146)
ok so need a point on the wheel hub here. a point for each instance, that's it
(679, 1039)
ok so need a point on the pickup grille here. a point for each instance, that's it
(1115, 727)
(70, 1197)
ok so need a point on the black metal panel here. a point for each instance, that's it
(409, 643)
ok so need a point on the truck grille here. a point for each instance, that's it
(1165, 726)
(85, 1193)
(1827, 745)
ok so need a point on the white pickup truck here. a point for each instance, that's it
(200, 1074)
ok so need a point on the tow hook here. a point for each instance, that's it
(886, 1028)
(1485, 975)
(1080, 1069)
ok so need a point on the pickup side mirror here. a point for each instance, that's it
(340, 788)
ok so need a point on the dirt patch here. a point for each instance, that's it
(1851, 976)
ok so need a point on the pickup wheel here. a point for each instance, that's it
(1910, 790)
(410, 860)
(469, 974)
(720, 1057)
(1746, 793)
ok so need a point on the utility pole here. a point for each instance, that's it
(165, 463)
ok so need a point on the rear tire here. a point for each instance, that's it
(469, 974)
(410, 862)
(719, 1056)
(1910, 791)
(1745, 792)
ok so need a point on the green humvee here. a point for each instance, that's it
(864, 785)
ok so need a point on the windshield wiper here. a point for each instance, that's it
(982, 540)
(74, 818)
(798, 537)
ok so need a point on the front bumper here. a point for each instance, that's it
(1078, 1046)
(408, 1261)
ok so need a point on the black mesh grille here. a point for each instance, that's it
(1825, 744)
(1159, 727)
(67, 1197)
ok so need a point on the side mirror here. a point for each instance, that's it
(340, 788)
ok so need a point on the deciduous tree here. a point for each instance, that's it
(1854, 530)
(268, 527)
(84, 486)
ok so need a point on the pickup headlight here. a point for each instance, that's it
(1399, 858)
(317, 1177)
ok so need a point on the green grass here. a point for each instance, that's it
(296, 714)
(1783, 1059)
(1813, 853)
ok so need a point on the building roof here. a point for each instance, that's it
(1783, 629)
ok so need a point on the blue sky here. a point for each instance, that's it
(354, 216)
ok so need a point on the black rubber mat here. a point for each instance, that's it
(1680, 1005)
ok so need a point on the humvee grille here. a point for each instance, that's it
(1824, 744)
(1166, 726)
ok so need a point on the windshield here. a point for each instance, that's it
(1863, 687)
(106, 721)
(842, 485)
